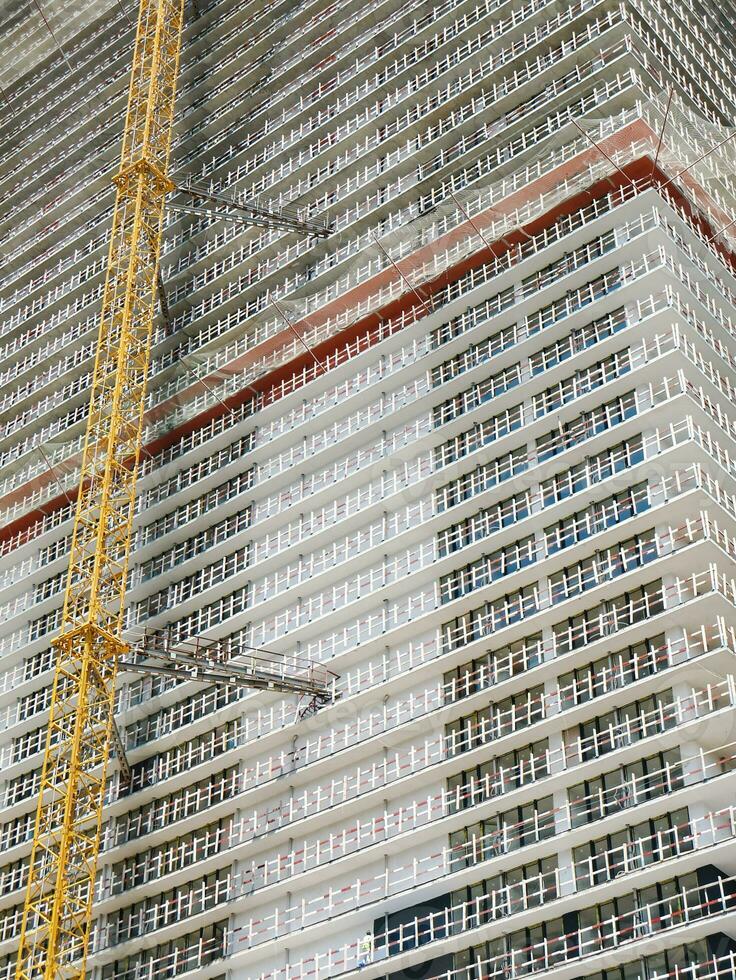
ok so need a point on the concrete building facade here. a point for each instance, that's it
(474, 453)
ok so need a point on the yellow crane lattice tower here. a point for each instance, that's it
(56, 921)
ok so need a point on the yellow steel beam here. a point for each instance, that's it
(56, 921)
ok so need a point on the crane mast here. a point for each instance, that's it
(57, 916)
(56, 921)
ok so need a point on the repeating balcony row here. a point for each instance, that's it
(510, 834)
(506, 187)
(524, 552)
(318, 148)
(391, 127)
(201, 705)
(219, 741)
(567, 533)
(378, 3)
(39, 494)
(266, 721)
(655, 347)
(695, 25)
(309, 609)
(587, 631)
(46, 77)
(370, 625)
(215, 743)
(196, 706)
(359, 243)
(567, 265)
(86, 116)
(34, 179)
(227, 785)
(577, 258)
(509, 467)
(232, 526)
(316, 338)
(57, 453)
(356, 66)
(360, 273)
(439, 41)
(580, 578)
(93, 50)
(274, 544)
(519, 769)
(235, 945)
(508, 425)
(378, 83)
(187, 443)
(79, 383)
(662, 965)
(206, 951)
(577, 340)
(66, 135)
(713, 701)
(14, 574)
(704, 61)
(507, 899)
(411, 517)
(571, 304)
(579, 946)
(305, 185)
(687, 61)
(550, 824)
(683, 431)
(226, 838)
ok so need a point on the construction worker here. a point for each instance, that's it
(365, 949)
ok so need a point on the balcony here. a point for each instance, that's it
(542, 826)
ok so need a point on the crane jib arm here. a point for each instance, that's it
(55, 933)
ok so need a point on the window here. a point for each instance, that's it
(612, 671)
(618, 789)
(495, 720)
(605, 858)
(494, 667)
(482, 478)
(507, 893)
(608, 617)
(619, 727)
(482, 524)
(505, 561)
(597, 517)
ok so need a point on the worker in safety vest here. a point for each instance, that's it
(365, 949)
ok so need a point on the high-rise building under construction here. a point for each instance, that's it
(442, 412)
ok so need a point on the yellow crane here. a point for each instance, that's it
(56, 921)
